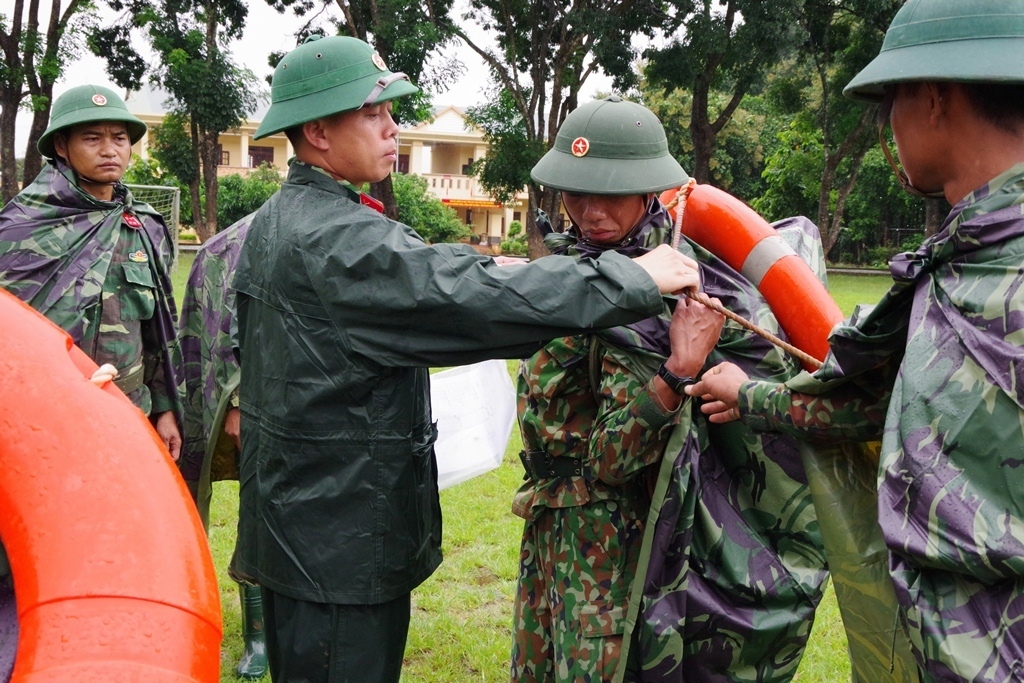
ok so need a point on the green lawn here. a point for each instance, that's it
(461, 622)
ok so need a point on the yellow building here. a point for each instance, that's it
(440, 150)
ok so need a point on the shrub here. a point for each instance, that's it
(425, 213)
(515, 243)
(238, 196)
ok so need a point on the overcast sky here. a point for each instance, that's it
(267, 31)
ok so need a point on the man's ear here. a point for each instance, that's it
(939, 99)
(60, 145)
(315, 134)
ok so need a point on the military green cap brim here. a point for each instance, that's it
(596, 174)
(136, 128)
(992, 60)
(343, 97)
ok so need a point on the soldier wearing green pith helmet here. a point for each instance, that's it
(340, 313)
(935, 369)
(78, 247)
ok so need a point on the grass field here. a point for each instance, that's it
(461, 622)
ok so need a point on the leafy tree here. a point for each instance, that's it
(724, 50)
(424, 212)
(241, 195)
(738, 159)
(545, 53)
(173, 149)
(205, 85)
(505, 170)
(33, 58)
(405, 33)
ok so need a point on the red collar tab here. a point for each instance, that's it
(131, 220)
(375, 204)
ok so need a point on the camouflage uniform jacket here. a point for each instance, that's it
(945, 349)
(731, 568)
(83, 264)
(210, 366)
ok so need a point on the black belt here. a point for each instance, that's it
(540, 465)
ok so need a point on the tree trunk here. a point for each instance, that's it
(198, 217)
(210, 161)
(33, 159)
(8, 164)
(932, 216)
(385, 192)
(547, 201)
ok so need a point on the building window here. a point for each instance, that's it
(403, 163)
(517, 216)
(467, 167)
(260, 155)
(469, 216)
(224, 156)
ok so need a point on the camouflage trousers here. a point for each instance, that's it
(575, 568)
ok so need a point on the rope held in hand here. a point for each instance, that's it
(700, 297)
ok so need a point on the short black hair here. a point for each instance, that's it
(1001, 104)
(294, 135)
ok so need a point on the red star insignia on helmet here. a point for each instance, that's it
(378, 62)
(99, 100)
(580, 147)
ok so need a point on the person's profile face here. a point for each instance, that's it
(604, 219)
(99, 151)
(361, 145)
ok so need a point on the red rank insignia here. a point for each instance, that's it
(375, 204)
(130, 220)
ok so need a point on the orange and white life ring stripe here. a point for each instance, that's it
(113, 577)
(738, 235)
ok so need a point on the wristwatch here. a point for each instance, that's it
(675, 382)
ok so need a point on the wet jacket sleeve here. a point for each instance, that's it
(402, 302)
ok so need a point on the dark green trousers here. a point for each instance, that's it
(312, 642)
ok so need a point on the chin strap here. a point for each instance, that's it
(901, 175)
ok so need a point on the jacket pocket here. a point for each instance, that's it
(137, 299)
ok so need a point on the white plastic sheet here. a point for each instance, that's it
(475, 408)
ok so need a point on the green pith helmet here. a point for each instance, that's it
(610, 146)
(947, 40)
(86, 104)
(325, 76)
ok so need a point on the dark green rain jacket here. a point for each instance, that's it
(340, 313)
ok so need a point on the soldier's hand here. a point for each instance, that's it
(233, 426)
(720, 389)
(694, 331)
(167, 427)
(670, 270)
(104, 373)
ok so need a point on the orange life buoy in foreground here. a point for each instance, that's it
(738, 235)
(112, 574)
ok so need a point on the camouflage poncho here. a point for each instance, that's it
(732, 567)
(211, 369)
(944, 350)
(57, 243)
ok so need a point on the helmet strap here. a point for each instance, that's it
(901, 175)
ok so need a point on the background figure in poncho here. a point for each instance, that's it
(212, 443)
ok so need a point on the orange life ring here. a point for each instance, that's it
(113, 578)
(738, 235)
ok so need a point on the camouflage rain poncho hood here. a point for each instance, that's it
(56, 242)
